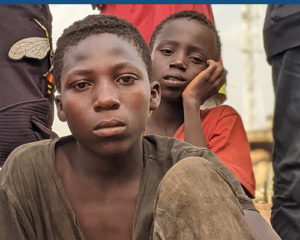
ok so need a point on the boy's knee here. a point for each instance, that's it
(194, 176)
(191, 169)
(193, 193)
(190, 163)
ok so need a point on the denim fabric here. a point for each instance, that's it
(285, 217)
(196, 201)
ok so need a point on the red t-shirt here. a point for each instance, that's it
(226, 137)
(147, 16)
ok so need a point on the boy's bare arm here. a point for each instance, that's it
(203, 86)
(260, 229)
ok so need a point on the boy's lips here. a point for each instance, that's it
(174, 80)
(109, 128)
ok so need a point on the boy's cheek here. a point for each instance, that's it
(197, 71)
(138, 102)
(157, 61)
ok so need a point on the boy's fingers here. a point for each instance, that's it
(210, 61)
(220, 81)
(223, 78)
(217, 73)
(207, 73)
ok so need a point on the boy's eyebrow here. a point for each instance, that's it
(80, 72)
(196, 48)
(117, 66)
(175, 43)
(124, 65)
(166, 41)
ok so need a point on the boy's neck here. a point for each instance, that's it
(117, 168)
(99, 188)
(166, 119)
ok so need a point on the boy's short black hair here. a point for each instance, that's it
(93, 25)
(190, 15)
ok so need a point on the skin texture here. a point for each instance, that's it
(186, 50)
(105, 98)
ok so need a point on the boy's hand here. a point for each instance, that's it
(206, 84)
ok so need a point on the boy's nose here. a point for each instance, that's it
(179, 62)
(106, 98)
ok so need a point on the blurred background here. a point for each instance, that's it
(249, 82)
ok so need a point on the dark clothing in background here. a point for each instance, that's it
(33, 204)
(282, 45)
(281, 28)
(26, 106)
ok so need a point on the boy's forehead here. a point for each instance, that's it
(184, 29)
(104, 43)
(108, 39)
(177, 26)
(104, 50)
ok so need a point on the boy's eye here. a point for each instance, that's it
(127, 79)
(81, 85)
(166, 51)
(197, 60)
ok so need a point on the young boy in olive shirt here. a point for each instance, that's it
(106, 181)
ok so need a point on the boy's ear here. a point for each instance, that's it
(155, 95)
(60, 112)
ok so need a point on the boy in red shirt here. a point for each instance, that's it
(185, 52)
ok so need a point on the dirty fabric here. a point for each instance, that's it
(33, 204)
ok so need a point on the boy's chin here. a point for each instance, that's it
(175, 97)
(110, 149)
(110, 152)
(113, 147)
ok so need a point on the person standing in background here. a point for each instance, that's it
(27, 89)
(189, 72)
(282, 46)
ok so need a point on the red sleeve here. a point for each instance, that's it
(226, 137)
(147, 16)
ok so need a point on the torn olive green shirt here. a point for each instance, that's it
(33, 204)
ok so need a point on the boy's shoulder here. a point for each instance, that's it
(172, 150)
(221, 111)
(26, 160)
(161, 145)
(219, 116)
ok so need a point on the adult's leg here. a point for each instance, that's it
(195, 201)
(285, 216)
